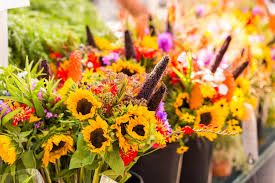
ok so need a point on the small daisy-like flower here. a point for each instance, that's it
(237, 108)
(182, 149)
(207, 90)
(188, 118)
(234, 126)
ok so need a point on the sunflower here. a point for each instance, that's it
(182, 101)
(82, 104)
(55, 147)
(237, 109)
(182, 149)
(233, 126)
(127, 67)
(66, 87)
(133, 126)
(209, 115)
(7, 152)
(96, 135)
(137, 128)
(207, 91)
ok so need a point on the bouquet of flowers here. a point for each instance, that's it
(205, 99)
(99, 125)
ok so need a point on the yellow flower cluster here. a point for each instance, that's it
(127, 67)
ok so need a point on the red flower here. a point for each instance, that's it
(113, 89)
(92, 62)
(62, 74)
(128, 157)
(55, 55)
(187, 130)
(98, 90)
(23, 115)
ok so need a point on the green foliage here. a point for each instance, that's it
(50, 25)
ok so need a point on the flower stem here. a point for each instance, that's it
(81, 176)
(48, 175)
(96, 174)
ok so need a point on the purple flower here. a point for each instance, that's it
(200, 10)
(114, 57)
(165, 41)
(55, 115)
(204, 57)
(273, 54)
(163, 116)
(2, 107)
(49, 115)
(257, 10)
(37, 125)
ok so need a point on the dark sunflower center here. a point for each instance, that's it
(59, 146)
(84, 106)
(184, 104)
(139, 129)
(97, 138)
(206, 118)
(127, 72)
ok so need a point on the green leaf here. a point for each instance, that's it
(29, 160)
(25, 134)
(114, 161)
(28, 179)
(65, 173)
(82, 156)
(38, 107)
(10, 115)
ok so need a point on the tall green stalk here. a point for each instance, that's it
(97, 172)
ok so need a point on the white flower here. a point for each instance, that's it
(182, 59)
(219, 76)
(90, 65)
(22, 74)
(223, 89)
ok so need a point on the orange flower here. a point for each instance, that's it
(196, 98)
(272, 23)
(75, 66)
(229, 82)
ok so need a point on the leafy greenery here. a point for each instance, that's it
(50, 25)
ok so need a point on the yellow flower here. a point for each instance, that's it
(133, 126)
(207, 91)
(137, 128)
(103, 43)
(149, 42)
(182, 101)
(127, 67)
(233, 126)
(33, 119)
(209, 115)
(96, 135)
(223, 107)
(66, 87)
(82, 104)
(188, 117)
(7, 152)
(242, 84)
(182, 149)
(55, 147)
(237, 109)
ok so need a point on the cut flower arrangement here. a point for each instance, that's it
(99, 125)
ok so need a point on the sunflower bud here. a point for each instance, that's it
(156, 98)
(153, 79)
(220, 54)
(129, 46)
(237, 72)
(46, 70)
(152, 28)
(90, 37)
